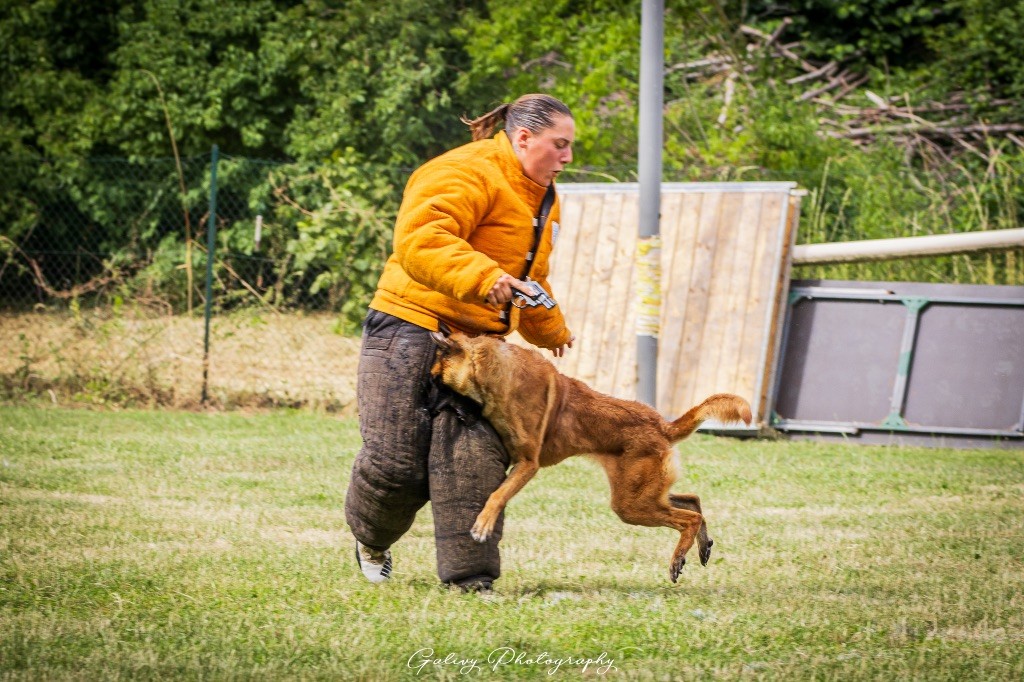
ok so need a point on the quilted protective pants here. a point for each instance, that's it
(421, 441)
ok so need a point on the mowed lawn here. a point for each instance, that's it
(184, 545)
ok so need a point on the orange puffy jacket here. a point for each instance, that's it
(466, 218)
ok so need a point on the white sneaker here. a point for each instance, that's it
(376, 566)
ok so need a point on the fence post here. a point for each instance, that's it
(211, 238)
(648, 253)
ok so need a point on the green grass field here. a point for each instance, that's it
(185, 545)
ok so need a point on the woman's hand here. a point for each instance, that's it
(502, 291)
(564, 348)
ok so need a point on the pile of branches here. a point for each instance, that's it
(939, 125)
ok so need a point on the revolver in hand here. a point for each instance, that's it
(537, 297)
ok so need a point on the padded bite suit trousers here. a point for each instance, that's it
(421, 441)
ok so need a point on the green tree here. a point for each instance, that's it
(881, 31)
(982, 53)
(270, 78)
(376, 77)
(584, 52)
(54, 62)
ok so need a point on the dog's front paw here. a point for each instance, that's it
(705, 552)
(480, 532)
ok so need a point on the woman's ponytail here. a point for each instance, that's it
(535, 112)
(482, 126)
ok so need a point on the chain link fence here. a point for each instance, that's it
(107, 293)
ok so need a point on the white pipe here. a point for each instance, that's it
(907, 247)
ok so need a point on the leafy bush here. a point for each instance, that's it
(329, 229)
(356, 97)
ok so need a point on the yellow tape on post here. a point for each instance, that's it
(648, 286)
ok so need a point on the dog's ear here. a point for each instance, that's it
(442, 341)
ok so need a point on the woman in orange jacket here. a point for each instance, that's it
(465, 240)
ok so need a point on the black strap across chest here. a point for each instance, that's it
(538, 231)
(538, 227)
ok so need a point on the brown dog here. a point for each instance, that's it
(543, 417)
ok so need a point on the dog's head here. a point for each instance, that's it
(454, 363)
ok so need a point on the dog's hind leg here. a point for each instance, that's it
(692, 502)
(639, 483)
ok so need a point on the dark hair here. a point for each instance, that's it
(535, 112)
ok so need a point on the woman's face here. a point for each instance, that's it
(546, 153)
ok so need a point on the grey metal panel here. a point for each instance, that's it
(825, 341)
(968, 368)
(905, 439)
(887, 425)
(912, 359)
(972, 291)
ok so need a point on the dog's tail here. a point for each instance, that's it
(725, 407)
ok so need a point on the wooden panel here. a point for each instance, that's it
(679, 213)
(624, 383)
(615, 293)
(716, 317)
(561, 262)
(698, 292)
(762, 291)
(783, 264)
(577, 298)
(722, 244)
(742, 286)
(599, 284)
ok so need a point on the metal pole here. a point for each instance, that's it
(648, 256)
(211, 239)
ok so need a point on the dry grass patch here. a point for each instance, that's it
(256, 360)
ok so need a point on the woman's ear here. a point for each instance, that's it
(520, 138)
